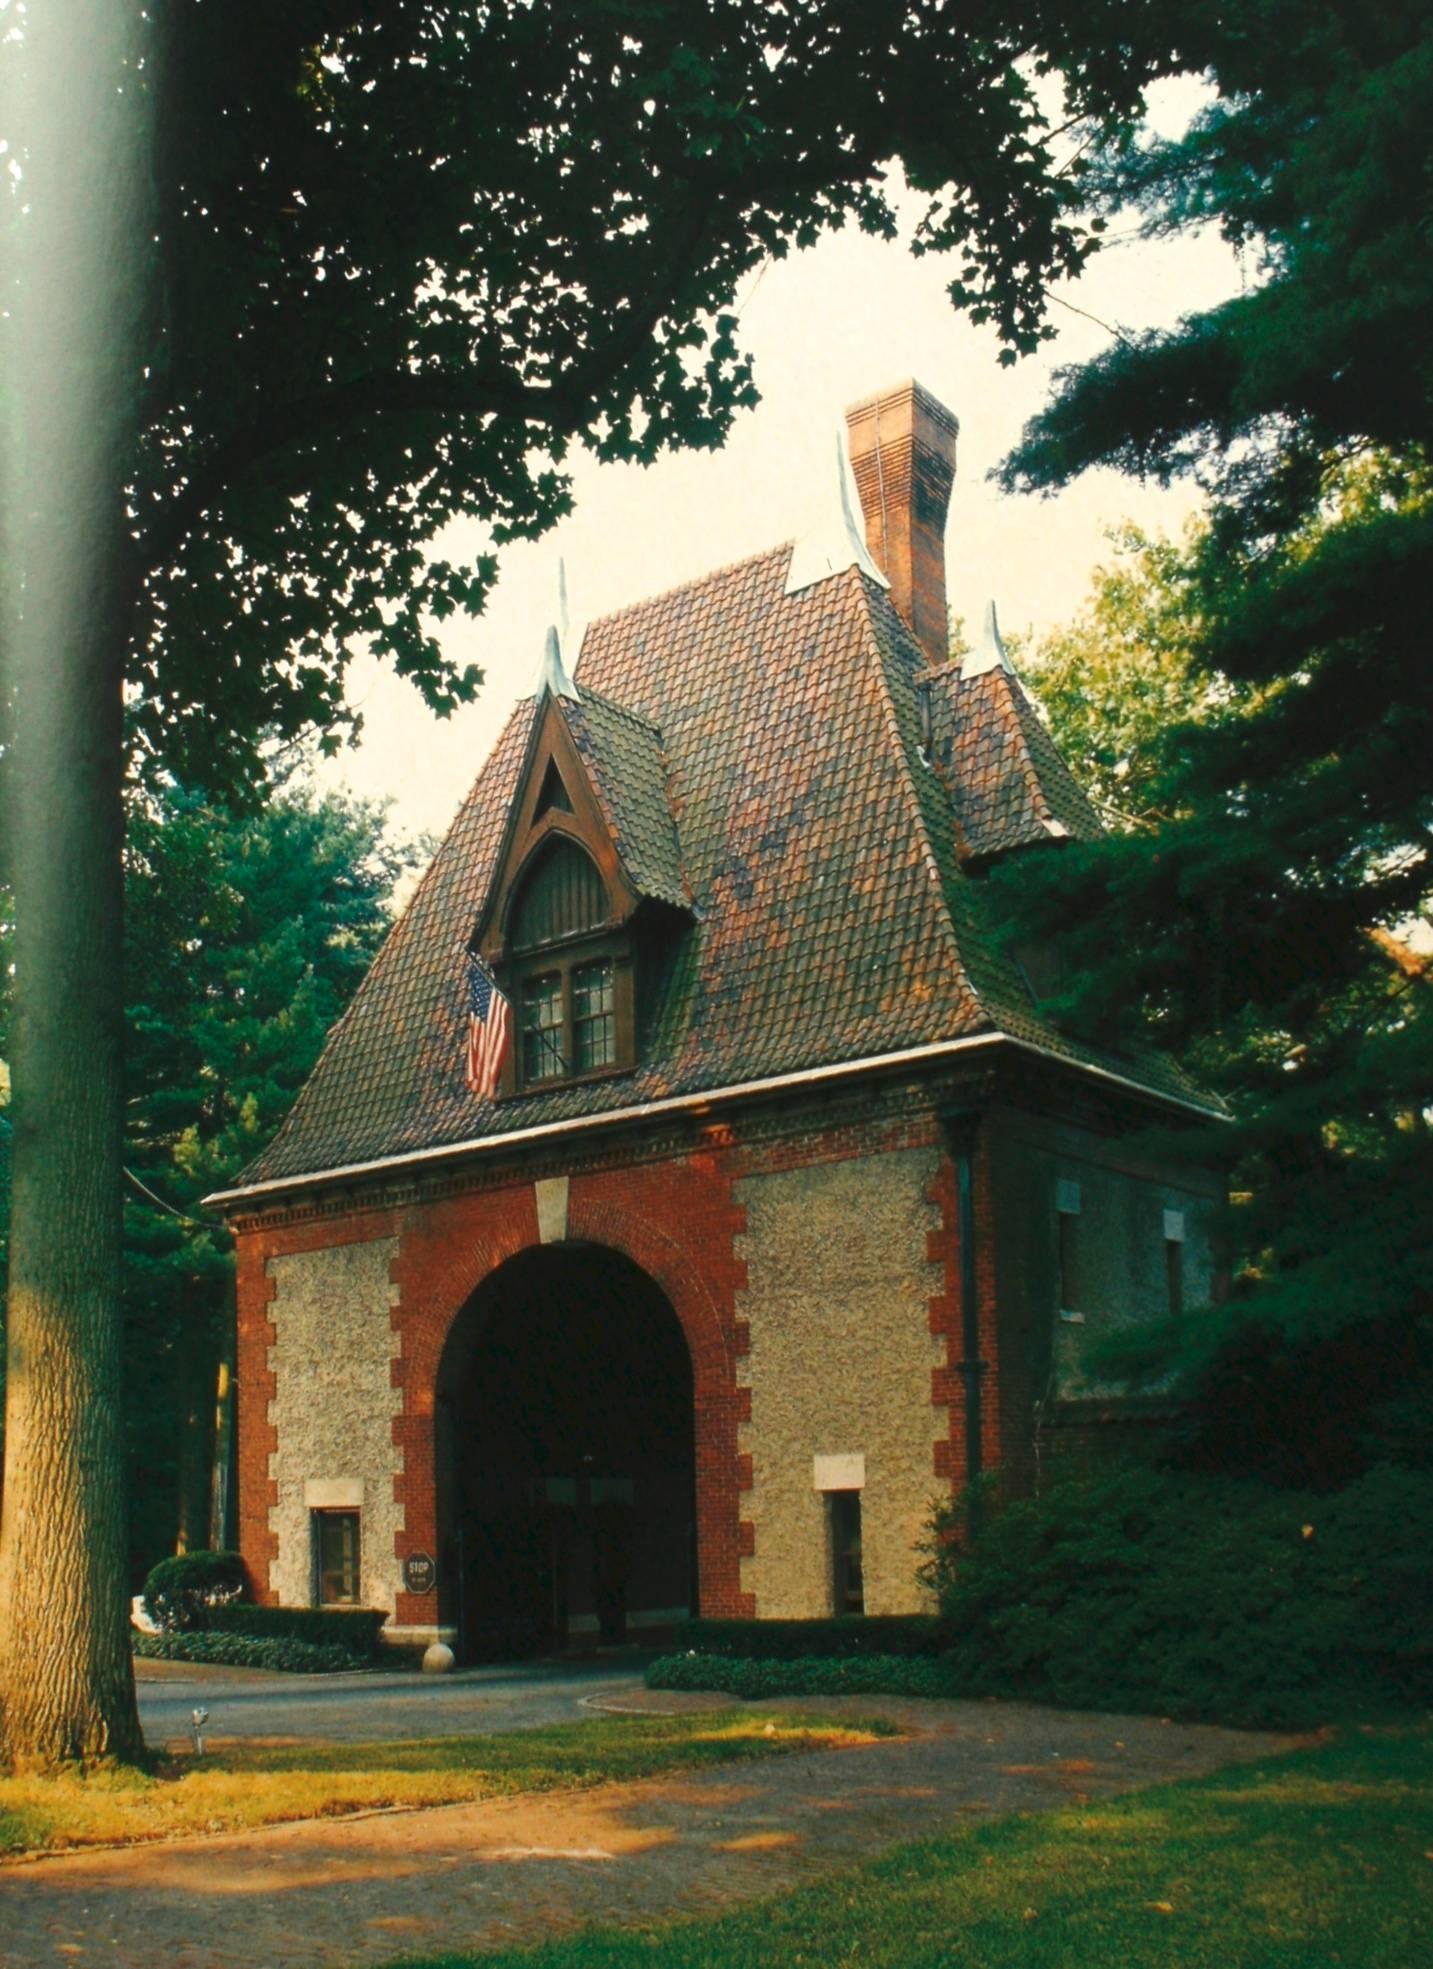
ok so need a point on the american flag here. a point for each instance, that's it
(489, 1030)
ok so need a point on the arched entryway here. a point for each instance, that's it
(565, 1458)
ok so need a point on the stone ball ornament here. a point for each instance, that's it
(438, 1659)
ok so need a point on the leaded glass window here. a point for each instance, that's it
(594, 1021)
(542, 1056)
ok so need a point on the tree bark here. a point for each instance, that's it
(66, 1681)
(66, 1685)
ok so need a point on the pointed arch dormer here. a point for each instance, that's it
(557, 929)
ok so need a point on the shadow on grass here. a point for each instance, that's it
(247, 1783)
(1321, 1858)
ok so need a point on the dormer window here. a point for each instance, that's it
(588, 873)
(568, 971)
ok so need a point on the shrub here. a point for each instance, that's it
(1187, 1596)
(187, 1591)
(794, 1640)
(247, 1651)
(355, 1629)
(805, 1675)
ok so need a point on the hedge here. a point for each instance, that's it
(796, 1640)
(355, 1629)
(1140, 1589)
(1192, 1596)
(247, 1651)
(806, 1675)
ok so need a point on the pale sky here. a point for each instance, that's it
(826, 327)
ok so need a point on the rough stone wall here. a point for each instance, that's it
(333, 1408)
(840, 1280)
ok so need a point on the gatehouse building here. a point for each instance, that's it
(789, 1210)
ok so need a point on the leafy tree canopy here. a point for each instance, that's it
(1122, 676)
(407, 256)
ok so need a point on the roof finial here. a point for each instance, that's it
(989, 652)
(552, 674)
(840, 542)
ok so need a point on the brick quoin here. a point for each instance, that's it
(951, 1455)
(446, 1250)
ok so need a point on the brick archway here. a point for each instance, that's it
(676, 1223)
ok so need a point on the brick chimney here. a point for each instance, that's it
(903, 454)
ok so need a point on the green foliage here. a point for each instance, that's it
(223, 1649)
(792, 1640)
(386, 294)
(246, 935)
(752, 1678)
(1122, 678)
(1191, 1596)
(1272, 921)
(357, 1630)
(190, 1591)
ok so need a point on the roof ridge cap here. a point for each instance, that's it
(1020, 704)
(869, 591)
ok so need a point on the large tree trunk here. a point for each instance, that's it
(66, 1683)
(67, 1689)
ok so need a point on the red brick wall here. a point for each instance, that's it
(675, 1217)
(952, 1452)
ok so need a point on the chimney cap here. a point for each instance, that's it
(918, 405)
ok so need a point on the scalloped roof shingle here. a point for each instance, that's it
(757, 756)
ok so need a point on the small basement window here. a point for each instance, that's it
(1067, 1219)
(1174, 1261)
(336, 1558)
(848, 1594)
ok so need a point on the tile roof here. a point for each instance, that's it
(1007, 780)
(757, 755)
(626, 765)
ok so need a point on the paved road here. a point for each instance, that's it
(245, 1702)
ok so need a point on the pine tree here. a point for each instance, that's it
(247, 933)
(1268, 927)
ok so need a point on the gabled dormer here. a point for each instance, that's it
(590, 841)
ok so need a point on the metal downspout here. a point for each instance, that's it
(961, 1129)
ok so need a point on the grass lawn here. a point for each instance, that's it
(248, 1784)
(1321, 1858)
